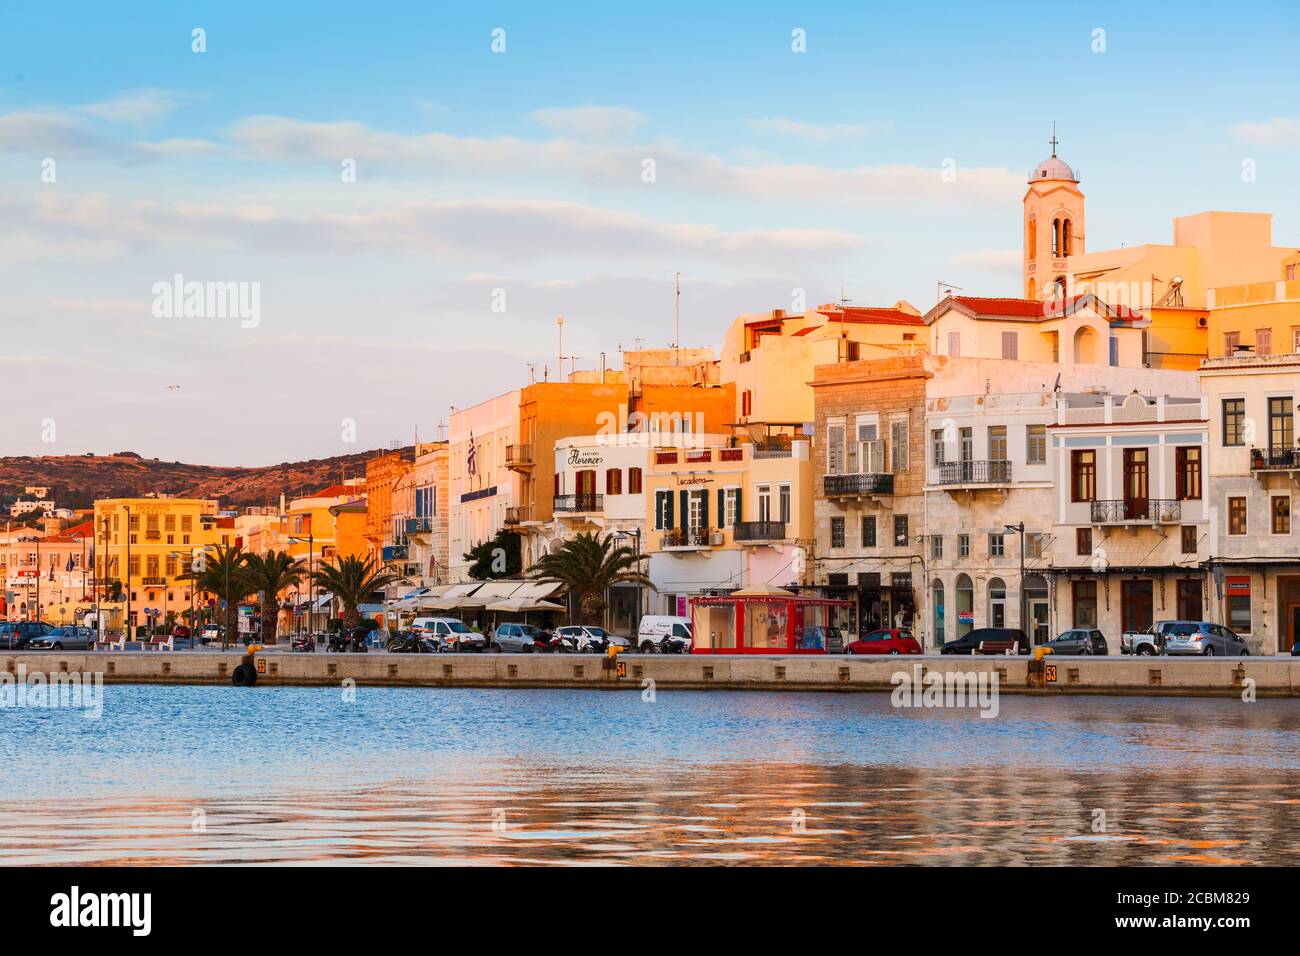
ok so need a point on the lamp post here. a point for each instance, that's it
(1019, 528)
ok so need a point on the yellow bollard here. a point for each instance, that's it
(1041, 652)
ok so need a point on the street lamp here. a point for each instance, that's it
(1019, 528)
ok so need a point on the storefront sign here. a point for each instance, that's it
(577, 457)
(693, 480)
(1237, 585)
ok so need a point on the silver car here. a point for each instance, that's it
(1203, 638)
(70, 637)
(589, 639)
(519, 638)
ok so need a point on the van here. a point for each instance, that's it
(656, 627)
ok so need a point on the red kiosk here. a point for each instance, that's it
(768, 620)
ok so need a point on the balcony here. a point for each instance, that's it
(858, 486)
(1265, 460)
(758, 532)
(519, 457)
(1137, 511)
(518, 515)
(688, 539)
(420, 525)
(578, 504)
(994, 472)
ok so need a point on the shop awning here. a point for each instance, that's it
(518, 604)
(457, 596)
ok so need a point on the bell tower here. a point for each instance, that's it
(1054, 233)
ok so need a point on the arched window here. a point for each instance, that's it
(965, 605)
(1031, 239)
(1059, 291)
(1056, 238)
(936, 601)
(1065, 239)
(997, 603)
(1033, 289)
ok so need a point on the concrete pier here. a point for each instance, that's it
(1216, 677)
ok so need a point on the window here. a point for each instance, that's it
(852, 351)
(1281, 514)
(1234, 422)
(1083, 475)
(746, 402)
(1114, 350)
(1237, 591)
(1187, 472)
(1083, 541)
(1230, 342)
(936, 546)
(613, 481)
(1084, 597)
(869, 531)
(729, 505)
(783, 500)
(900, 531)
(837, 532)
(1263, 341)
(997, 545)
(954, 343)
(936, 445)
(1189, 536)
(1011, 345)
(764, 496)
(663, 510)
(634, 478)
(1056, 238)
(898, 437)
(834, 449)
(1295, 338)
(868, 455)
(1236, 516)
(998, 442)
(1036, 444)
(963, 545)
(1034, 545)
(1281, 425)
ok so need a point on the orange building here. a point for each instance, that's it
(382, 474)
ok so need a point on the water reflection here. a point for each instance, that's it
(520, 777)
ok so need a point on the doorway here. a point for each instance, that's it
(1135, 605)
(1137, 503)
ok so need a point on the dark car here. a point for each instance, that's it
(1080, 641)
(1295, 649)
(70, 637)
(16, 635)
(970, 643)
(885, 641)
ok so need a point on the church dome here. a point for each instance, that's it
(1053, 168)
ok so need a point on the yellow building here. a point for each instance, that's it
(144, 547)
(724, 518)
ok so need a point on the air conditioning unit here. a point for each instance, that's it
(1202, 321)
(715, 539)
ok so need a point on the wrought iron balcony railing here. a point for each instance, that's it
(517, 515)
(745, 531)
(578, 503)
(1147, 510)
(687, 538)
(875, 484)
(993, 472)
(1274, 459)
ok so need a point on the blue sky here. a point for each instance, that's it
(522, 171)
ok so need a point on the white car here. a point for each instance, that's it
(211, 634)
(449, 633)
(589, 639)
(665, 634)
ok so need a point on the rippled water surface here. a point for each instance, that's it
(289, 775)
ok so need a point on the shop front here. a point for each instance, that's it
(766, 620)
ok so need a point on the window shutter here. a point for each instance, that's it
(684, 519)
(668, 509)
(738, 493)
(704, 509)
(722, 507)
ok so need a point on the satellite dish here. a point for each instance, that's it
(1177, 280)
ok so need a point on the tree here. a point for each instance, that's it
(270, 574)
(500, 557)
(223, 573)
(351, 580)
(587, 566)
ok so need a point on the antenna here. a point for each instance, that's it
(942, 288)
(559, 322)
(843, 300)
(532, 372)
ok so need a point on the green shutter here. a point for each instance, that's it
(722, 507)
(684, 520)
(704, 509)
(739, 515)
(668, 509)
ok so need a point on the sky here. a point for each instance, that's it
(407, 195)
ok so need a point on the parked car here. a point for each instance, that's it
(450, 634)
(211, 634)
(16, 635)
(970, 643)
(665, 633)
(819, 637)
(70, 637)
(519, 638)
(589, 639)
(1202, 637)
(1146, 642)
(1080, 641)
(181, 631)
(1295, 649)
(885, 641)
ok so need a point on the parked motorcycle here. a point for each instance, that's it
(674, 645)
(303, 643)
(350, 641)
(408, 643)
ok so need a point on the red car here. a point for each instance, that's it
(887, 641)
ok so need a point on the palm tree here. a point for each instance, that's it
(271, 573)
(351, 580)
(224, 573)
(587, 565)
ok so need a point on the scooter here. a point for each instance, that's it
(351, 641)
(407, 643)
(674, 645)
(303, 643)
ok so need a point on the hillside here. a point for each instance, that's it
(79, 480)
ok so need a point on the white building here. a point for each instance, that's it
(481, 488)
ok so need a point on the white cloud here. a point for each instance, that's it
(995, 260)
(1280, 131)
(590, 122)
(821, 133)
(137, 106)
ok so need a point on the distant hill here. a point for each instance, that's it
(78, 480)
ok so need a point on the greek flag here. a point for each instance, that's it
(471, 460)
